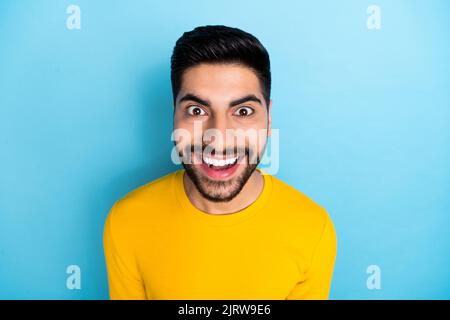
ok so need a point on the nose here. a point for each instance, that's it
(214, 134)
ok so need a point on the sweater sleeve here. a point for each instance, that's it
(317, 281)
(124, 280)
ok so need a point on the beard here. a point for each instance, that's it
(219, 190)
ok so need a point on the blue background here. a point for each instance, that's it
(86, 116)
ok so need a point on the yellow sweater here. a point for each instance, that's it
(158, 245)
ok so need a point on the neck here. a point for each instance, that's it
(249, 193)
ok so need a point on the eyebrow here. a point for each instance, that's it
(207, 103)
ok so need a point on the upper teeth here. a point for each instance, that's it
(219, 163)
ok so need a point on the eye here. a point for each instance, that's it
(243, 111)
(196, 111)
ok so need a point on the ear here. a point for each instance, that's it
(269, 119)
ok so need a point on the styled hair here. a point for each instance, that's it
(220, 44)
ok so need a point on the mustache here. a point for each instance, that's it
(212, 151)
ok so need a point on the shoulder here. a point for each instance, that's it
(151, 190)
(299, 213)
(143, 203)
(295, 199)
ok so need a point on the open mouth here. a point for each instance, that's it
(219, 168)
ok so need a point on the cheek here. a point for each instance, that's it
(185, 136)
(181, 136)
(262, 143)
(256, 134)
(194, 127)
(258, 143)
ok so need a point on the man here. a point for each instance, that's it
(220, 228)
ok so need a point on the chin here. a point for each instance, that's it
(219, 190)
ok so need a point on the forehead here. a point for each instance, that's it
(220, 81)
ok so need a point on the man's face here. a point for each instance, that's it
(222, 122)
